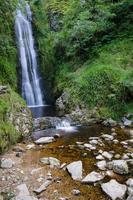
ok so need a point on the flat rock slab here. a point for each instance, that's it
(114, 189)
(93, 177)
(53, 162)
(6, 163)
(75, 169)
(23, 193)
(43, 187)
(45, 140)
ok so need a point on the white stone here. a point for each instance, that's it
(130, 197)
(114, 190)
(93, 142)
(107, 137)
(45, 140)
(130, 182)
(93, 177)
(115, 141)
(76, 192)
(130, 190)
(101, 165)
(75, 169)
(23, 193)
(43, 187)
(6, 163)
(117, 156)
(88, 146)
(107, 155)
(99, 157)
(120, 167)
(53, 162)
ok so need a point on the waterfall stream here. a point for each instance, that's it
(31, 87)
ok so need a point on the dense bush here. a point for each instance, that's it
(86, 48)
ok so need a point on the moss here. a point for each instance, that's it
(10, 104)
(8, 136)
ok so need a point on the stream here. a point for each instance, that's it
(71, 143)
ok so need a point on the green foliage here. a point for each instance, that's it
(8, 136)
(8, 60)
(10, 102)
(106, 82)
(90, 53)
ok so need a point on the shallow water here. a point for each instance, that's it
(66, 150)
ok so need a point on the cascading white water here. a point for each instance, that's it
(65, 125)
(31, 90)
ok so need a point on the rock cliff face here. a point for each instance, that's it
(15, 117)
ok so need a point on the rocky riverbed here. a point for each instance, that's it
(88, 163)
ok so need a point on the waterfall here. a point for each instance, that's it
(31, 89)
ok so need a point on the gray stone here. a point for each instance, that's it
(130, 182)
(101, 165)
(93, 177)
(107, 155)
(113, 134)
(76, 192)
(107, 137)
(130, 191)
(86, 145)
(43, 187)
(115, 141)
(120, 167)
(127, 122)
(19, 149)
(117, 156)
(23, 193)
(6, 163)
(131, 133)
(45, 140)
(75, 169)
(93, 142)
(62, 101)
(125, 157)
(130, 197)
(99, 157)
(114, 190)
(110, 122)
(53, 162)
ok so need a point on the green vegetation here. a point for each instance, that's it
(85, 48)
(8, 60)
(10, 103)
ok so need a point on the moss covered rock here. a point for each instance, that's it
(15, 117)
